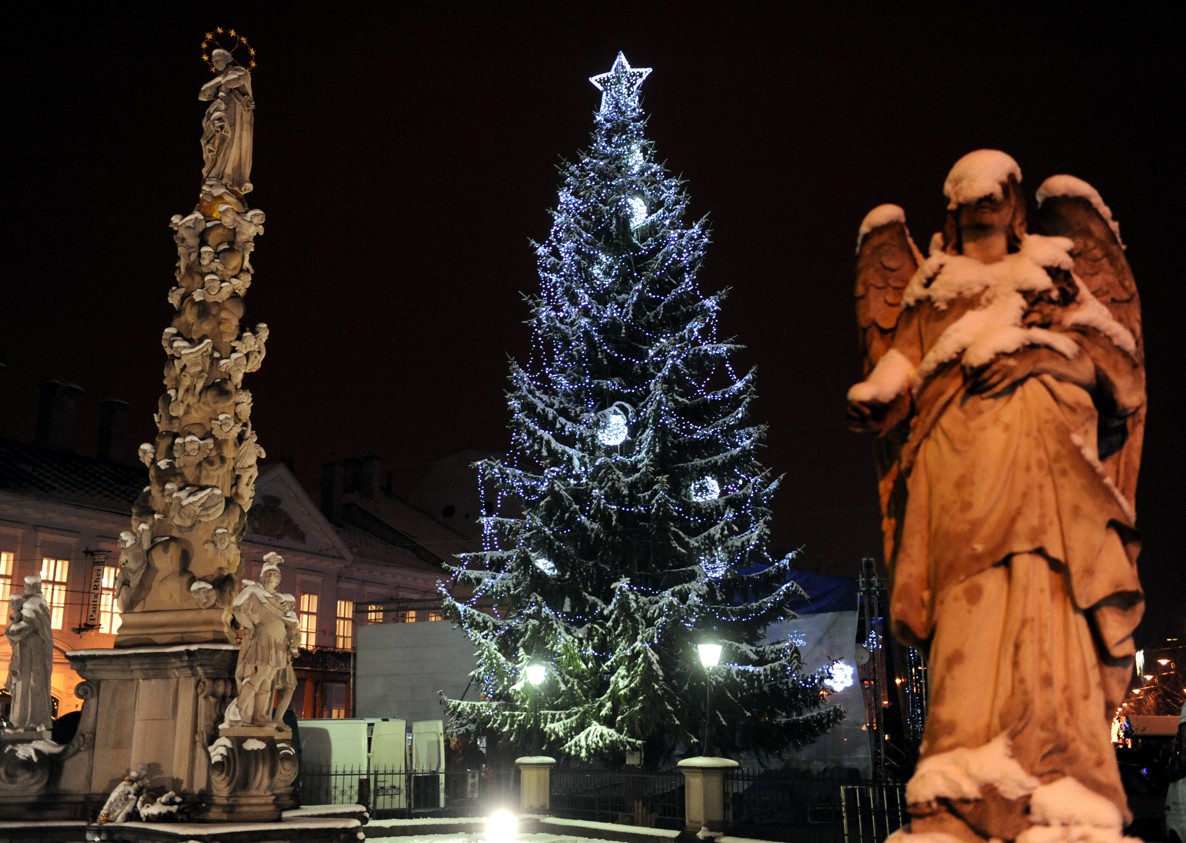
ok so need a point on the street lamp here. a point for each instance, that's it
(710, 657)
(536, 672)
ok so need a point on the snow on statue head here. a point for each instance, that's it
(979, 174)
(271, 568)
(983, 191)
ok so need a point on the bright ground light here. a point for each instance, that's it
(502, 827)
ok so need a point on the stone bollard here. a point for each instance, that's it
(704, 793)
(535, 783)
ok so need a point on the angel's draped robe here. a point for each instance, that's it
(1015, 567)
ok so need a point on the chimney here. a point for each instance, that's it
(331, 491)
(57, 415)
(369, 482)
(113, 417)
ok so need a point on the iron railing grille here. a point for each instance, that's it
(805, 808)
(404, 793)
(654, 800)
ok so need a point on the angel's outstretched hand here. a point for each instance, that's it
(1004, 373)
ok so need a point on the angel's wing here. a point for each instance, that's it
(1070, 207)
(886, 261)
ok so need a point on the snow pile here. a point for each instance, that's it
(960, 773)
(28, 751)
(1090, 312)
(880, 216)
(889, 379)
(1066, 803)
(1005, 290)
(1075, 187)
(979, 174)
(1007, 293)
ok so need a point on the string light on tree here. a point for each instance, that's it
(715, 565)
(626, 422)
(706, 489)
(638, 211)
(613, 430)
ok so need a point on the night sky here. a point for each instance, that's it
(405, 155)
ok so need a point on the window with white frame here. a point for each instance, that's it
(308, 620)
(54, 574)
(344, 627)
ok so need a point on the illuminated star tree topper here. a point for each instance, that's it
(620, 85)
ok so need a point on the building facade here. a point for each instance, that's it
(61, 514)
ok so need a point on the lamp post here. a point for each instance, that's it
(536, 672)
(710, 657)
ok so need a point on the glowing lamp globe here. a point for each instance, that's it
(535, 673)
(710, 654)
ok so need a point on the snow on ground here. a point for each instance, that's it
(479, 837)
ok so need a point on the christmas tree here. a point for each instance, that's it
(630, 519)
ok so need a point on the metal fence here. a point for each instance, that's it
(771, 805)
(404, 793)
(654, 800)
(778, 805)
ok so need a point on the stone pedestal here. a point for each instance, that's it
(157, 706)
(704, 793)
(535, 783)
(27, 763)
(248, 764)
(175, 626)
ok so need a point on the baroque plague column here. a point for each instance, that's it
(159, 697)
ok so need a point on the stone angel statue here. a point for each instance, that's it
(1004, 378)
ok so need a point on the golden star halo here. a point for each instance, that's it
(234, 40)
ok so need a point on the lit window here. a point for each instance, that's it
(345, 625)
(308, 621)
(335, 699)
(109, 619)
(435, 615)
(54, 573)
(5, 577)
(374, 613)
(407, 616)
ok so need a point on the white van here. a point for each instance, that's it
(1175, 797)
